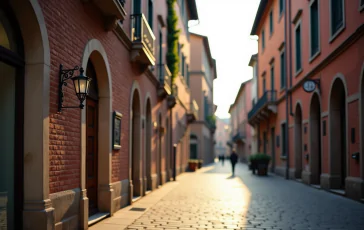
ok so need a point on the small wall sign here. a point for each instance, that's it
(309, 86)
(116, 135)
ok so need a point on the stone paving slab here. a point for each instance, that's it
(212, 199)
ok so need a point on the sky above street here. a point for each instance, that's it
(228, 24)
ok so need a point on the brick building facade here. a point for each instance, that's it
(316, 136)
(58, 168)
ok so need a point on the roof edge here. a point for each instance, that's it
(263, 4)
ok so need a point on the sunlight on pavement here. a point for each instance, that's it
(201, 201)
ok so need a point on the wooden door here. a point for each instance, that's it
(91, 154)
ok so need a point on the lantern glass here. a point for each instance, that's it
(81, 84)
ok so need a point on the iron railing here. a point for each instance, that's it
(122, 2)
(141, 32)
(269, 96)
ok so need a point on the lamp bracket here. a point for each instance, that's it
(64, 75)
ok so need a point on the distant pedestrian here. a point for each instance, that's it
(234, 160)
(222, 159)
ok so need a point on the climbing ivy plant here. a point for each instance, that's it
(172, 40)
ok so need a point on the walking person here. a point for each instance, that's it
(234, 160)
(222, 159)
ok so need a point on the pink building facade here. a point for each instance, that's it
(241, 133)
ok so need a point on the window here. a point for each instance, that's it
(314, 30)
(160, 47)
(187, 75)
(137, 7)
(183, 66)
(150, 13)
(298, 48)
(337, 16)
(272, 76)
(271, 22)
(263, 40)
(283, 70)
(362, 2)
(281, 6)
(284, 139)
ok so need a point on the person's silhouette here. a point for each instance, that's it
(234, 160)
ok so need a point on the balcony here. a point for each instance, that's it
(239, 137)
(143, 41)
(164, 75)
(263, 108)
(112, 10)
(192, 114)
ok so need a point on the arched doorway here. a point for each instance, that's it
(159, 159)
(96, 117)
(11, 117)
(92, 129)
(148, 152)
(136, 146)
(337, 117)
(298, 141)
(315, 140)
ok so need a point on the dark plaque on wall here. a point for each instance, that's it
(277, 141)
(116, 127)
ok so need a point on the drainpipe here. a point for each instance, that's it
(172, 156)
(287, 21)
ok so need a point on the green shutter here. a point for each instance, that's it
(270, 22)
(298, 48)
(314, 28)
(283, 71)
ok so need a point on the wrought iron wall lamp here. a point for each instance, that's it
(81, 84)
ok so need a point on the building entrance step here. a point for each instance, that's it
(338, 191)
(97, 217)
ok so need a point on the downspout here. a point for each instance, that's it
(289, 71)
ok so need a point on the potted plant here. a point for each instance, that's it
(192, 164)
(260, 162)
(199, 164)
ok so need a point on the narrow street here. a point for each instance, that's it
(212, 199)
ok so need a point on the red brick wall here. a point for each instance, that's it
(70, 26)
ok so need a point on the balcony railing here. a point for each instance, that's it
(164, 76)
(143, 39)
(269, 97)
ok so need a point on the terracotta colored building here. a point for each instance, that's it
(310, 89)
(61, 166)
(241, 134)
(201, 78)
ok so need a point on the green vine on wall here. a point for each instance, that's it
(172, 40)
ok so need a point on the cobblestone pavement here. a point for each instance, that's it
(215, 200)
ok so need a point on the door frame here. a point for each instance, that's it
(16, 60)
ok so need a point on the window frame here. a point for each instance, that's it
(263, 40)
(282, 51)
(298, 71)
(361, 6)
(271, 23)
(313, 56)
(271, 70)
(338, 32)
(281, 8)
(283, 139)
